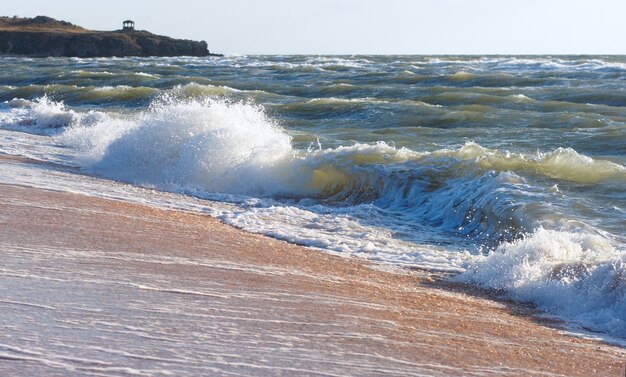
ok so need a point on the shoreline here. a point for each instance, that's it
(95, 285)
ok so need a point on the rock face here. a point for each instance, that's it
(44, 36)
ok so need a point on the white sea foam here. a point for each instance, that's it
(44, 116)
(579, 276)
(41, 115)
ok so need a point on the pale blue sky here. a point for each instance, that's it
(361, 26)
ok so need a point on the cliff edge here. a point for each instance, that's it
(44, 36)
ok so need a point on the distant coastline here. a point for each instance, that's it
(46, 37)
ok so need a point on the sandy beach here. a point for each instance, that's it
(103, 287)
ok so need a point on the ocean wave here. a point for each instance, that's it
(41, 116)
(335, 107)
(206, 145)
(335, 100)
(145, 74)
(190, 103)
(209, 145)
(562, 163)
(490, 79)
(125, 95)
(217, 146)
(336, 63)
(577, 275)
(200, 90)
(103, 74)
(91, 74)
(318, 64)
(117, 93)
(517, 63)
(83, 94)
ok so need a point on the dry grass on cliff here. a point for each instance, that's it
(39, 24)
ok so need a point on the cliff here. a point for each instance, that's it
(44, 36)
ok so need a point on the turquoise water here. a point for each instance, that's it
(507, 171)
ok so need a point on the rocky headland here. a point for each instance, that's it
(46, 37)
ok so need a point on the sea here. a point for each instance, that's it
(502, 172)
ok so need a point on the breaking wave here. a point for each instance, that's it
(580, 276)
(217, 145)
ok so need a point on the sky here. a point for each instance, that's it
(360, 26)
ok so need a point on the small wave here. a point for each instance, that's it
(339, 63)
(327, 107)
(282, 66)
(117, 93)
(521, 98)
(144, 74)
(198, 90)
(41, 116)
(517, 63)
(44, 116)
(577, 275)
(84, 94)
(462, 76)
(335, 100)
(459, 98)
(91, 74)
(309, 65)
(562, 163)
(340, 88)
(332, 107)
(195, 90)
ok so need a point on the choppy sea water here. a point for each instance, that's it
(509, 172)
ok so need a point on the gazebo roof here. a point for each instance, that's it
(128, 21)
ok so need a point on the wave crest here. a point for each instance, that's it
(562, 163)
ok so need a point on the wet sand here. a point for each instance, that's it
(102, 287)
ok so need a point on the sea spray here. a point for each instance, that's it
(213, 145)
